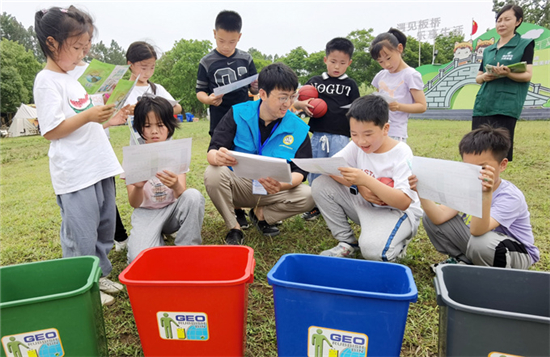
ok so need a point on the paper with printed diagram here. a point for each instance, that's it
(142, 162)
(451, 183)
(235, 85)
(255, 167)
(323, 166)
(101, 77)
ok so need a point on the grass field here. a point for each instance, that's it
(30, 222)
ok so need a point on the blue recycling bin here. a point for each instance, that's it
(348, 307)
(180, 117)
(189, 117)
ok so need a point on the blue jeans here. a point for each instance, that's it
(325, 145)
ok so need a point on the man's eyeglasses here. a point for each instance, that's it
(292, 98)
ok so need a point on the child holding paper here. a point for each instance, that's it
(82, 161)
(374, 191)
(502, 237)
(163, 204)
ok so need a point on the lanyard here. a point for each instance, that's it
(260, 145)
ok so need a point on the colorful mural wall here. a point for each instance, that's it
(453, 85)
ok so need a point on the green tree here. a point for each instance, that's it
(315, 64)
(13, 30)
(364, 67)
(177, 70)
(445, 46)
(114, 54)
(297, 60)
(410, 55)
(260, 60)
(19, 68)
(534, 11)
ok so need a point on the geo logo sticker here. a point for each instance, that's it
(183, 326)
(41, 343)
(326, 342)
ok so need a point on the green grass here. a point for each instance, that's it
(30, 223)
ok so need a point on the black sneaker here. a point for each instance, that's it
(240, 214)
(311, 215)
(234, 237)
(263, 226)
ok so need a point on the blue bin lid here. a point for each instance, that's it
(343, 276)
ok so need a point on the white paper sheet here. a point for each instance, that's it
(452, 183)
(323, 166)
(255, 167)
(235, 85)
(142, 162)
(386, 97)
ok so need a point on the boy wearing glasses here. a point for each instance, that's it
(331, 131)
(264, 127)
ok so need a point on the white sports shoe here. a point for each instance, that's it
(106, 299)
(109, 286)
(120, 246)
(342, 250)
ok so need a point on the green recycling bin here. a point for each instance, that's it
(52, 309)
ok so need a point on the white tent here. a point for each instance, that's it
(24, 122)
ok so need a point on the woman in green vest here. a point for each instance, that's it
(500, 99)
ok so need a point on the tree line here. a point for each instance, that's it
(177, 68)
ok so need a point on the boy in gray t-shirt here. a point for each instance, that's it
(502, 237)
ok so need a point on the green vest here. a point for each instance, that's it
(502, 96)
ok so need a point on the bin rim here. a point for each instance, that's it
(92, 278)
(410, 296)
(443, 297)
(248, 276)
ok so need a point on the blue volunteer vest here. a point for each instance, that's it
(283, 142)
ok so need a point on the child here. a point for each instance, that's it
(397, 80)
(224, 65)
(331, 131)
(82, 161)
(388, 214)
(502, 237)
(163, 204)
(120, 232)
(142, 59)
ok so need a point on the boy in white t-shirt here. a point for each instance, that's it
(374, 191)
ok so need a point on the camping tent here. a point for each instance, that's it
(24, 122)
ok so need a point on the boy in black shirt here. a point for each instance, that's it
(331, 132)
(224, 65)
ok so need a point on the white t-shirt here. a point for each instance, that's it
(139, 91)
(398, 85)
(76, 73)
(394, 164)
(133, 99)
(85, 156)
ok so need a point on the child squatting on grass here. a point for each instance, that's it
(163, 204)
(374, 191)
(82, 161)
(502, 237)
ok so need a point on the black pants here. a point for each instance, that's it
(498, 121)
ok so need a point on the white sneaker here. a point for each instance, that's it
(109, 286)
(106, 299)
(342, 250)
(120, 246)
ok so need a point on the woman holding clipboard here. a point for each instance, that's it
(504, 80)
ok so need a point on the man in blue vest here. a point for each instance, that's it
(264, 127)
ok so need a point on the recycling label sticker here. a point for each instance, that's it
(327, 342)
(41, 343)
(183, 326)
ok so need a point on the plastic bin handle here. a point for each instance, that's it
(439, 300)
(251, 278)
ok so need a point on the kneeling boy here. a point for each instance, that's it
(388, 213)
(502, 237)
